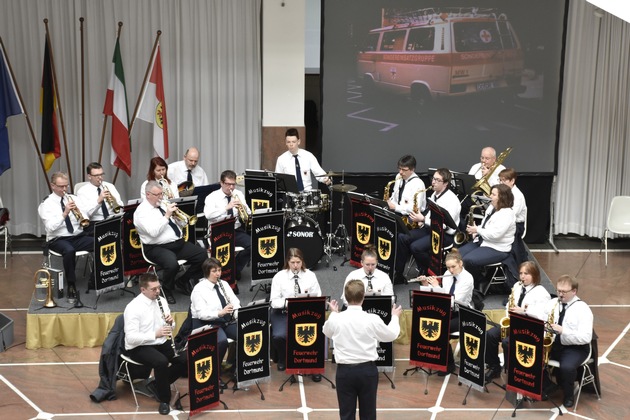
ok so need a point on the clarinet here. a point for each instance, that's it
(228, 317)
(169, 337)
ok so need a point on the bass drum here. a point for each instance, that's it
(303, 232)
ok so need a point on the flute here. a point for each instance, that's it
(169, 337)
(419, 279)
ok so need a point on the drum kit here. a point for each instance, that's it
(303, 213)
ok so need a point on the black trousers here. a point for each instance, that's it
(357, 382)
(166, 367)
(279, 334)
(570, 358)
(166, 256)
(224, 332)
(68, 246)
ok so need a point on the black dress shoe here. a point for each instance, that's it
(568, 402)
(72, 293)
(492, 373)
(164, 409)
(317, 377)
(169, 297)
(281, 367)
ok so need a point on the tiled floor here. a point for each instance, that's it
(56, 383)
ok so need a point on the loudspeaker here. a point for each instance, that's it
(6, 332)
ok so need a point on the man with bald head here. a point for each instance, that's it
(188, 170)
(487, 159)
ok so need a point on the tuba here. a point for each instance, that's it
(406, 219)
(77, 213)
(44, 286)
(482, 184)
(388, 188)
(505, 321)
(111, 201)
(549, 335)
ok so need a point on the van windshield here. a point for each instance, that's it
(479, 36)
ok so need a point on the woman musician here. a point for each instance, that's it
(158, 169)
(527, 295)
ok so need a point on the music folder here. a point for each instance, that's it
(400, 224)
(448, 220)
(366, 198)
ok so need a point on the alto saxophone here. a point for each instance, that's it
(460, 237)
(549, 335)
(505, 321)
(388, 187)
(411, 224)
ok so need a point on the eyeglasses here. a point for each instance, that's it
(437, 180)
(61, 186)
(230, 184)
(98, 175)
(155, 194)
(155, 289)
(564, 292)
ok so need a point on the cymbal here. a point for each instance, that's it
(331, 173)
(344, 187)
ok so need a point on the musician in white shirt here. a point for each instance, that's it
(508, 177)
(99, 193)
(405, 188)
(487, 160)
(375, 280)
(149, 328)
(179, 171)
(163, 243)
(287, 163)
(294, 279)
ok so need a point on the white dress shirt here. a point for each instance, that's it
(535, 300)
(356, 334)
(498, 232)
(215, 204)
(89, 194)
(152, 225)
(285, 164)
(405, 204)
(577, 325)
(52, 215)
(282, 286)
(171, 186)
(519, 207)
(449, 202)
(204, 301)
(381, 282)
(178, 173)
(494, 178)
(142, 319)
(463, 287)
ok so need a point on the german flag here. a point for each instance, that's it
(47, 107)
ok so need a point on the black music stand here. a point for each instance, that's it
(400, 224)
(202, 192)
(286, 183)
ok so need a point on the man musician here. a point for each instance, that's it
(102, 196)
(299, 162)
(187, 173)
(230, 202)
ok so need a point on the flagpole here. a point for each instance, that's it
(81, 19)
(144, 82)
(100, 152)
(63, 126)
(28, 120)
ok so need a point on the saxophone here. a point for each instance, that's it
(388, 188)
(549, 335)
(460, 237)
(411, 224)
(505, 321)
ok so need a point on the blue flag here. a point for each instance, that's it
(9, 105)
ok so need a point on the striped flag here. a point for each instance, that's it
(9, 105)
(153, 107)
(47, 107)
(116, 107)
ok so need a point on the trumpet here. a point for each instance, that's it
(182, 219)
(77, 213)
(43, 281)
(111, 201)
(242, 213)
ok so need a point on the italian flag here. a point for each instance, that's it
(153, 108)
(116, 107)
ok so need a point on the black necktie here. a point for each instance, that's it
(369, 285)
(452, 291)
(562, 312)
(521, 297)
(487, 218)
(171, 223)
(296, 286)
(400, 191)
(67, 220)
(229, 211)
(189, 179)
(103, 205)
(298, 173)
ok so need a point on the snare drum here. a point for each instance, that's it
(312, 200)
(292, 201)
(303, 232)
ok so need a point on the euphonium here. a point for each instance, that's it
(406, 219)
(42, 281)
(505, 321)
(460, 237)
(182, 219)
(77, 213)
(388, 187)
(549, 336)
(111, 201)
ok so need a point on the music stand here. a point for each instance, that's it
(386, 212)
(448, 220)
(201, 192)
(286, 183)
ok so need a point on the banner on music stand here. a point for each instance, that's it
(430, 325)
(525, 361)
(472, 344)
(222, 244)
(436, 263)
(385, 240)
(252, 357)
(381, 306)
(133, 261)
(108, 258)
(261, 193)
(361, 223)
(267, 244)
(203, 370)
(306, 343)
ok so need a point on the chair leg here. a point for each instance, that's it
(133, 389)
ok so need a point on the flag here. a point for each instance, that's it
(9, 105)
(116, 107)
(47, 106)
(153, 108)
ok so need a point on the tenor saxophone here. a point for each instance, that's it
(505, 321)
